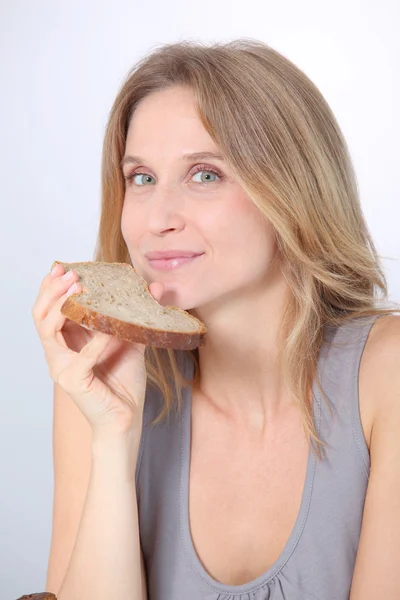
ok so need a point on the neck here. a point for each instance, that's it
(240, 376)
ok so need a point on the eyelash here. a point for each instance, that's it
(199, 168)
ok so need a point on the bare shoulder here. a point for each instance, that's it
(381, 354)
(379, 546)
(379, 377)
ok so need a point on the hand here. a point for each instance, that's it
(105, 377)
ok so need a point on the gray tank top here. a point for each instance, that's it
(318, 559)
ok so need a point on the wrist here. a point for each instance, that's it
(116, 454)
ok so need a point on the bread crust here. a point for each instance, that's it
(130, 332)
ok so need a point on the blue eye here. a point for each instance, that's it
(147, 178)
(206, 178)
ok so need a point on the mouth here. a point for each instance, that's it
(168, 264)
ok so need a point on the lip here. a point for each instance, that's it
(171, 254)
(168, 264)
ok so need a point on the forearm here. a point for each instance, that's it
(105, 561)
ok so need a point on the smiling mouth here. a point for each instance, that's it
(167, 264)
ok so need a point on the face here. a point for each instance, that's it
(174, 202)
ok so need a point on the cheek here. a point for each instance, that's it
(256, 231)
(129, 226)
(237, 226)
(244, 241)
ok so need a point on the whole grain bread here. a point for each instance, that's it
(116, 300)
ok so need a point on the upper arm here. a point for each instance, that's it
(377, 573)
(72, 437)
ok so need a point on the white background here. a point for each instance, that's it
(61, 65)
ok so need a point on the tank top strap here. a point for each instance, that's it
(340, 412)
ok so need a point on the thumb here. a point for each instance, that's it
(157, 290)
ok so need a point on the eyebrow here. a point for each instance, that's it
(186, 157)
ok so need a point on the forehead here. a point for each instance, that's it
(174, 95)
(167, 119)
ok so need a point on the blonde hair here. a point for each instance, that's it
(285, 147)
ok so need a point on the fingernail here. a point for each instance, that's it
(67, 275)
(72, 289)
(53, 271)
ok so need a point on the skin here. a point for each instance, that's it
(236, 281)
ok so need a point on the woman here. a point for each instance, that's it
(278, 475)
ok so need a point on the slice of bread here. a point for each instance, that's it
(115, 299)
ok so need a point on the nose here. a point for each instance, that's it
(165, 210)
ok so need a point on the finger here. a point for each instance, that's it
(77, 379)
(55, 320)
(56, 271)
(50, 293)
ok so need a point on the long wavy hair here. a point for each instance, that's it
(280, 138)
